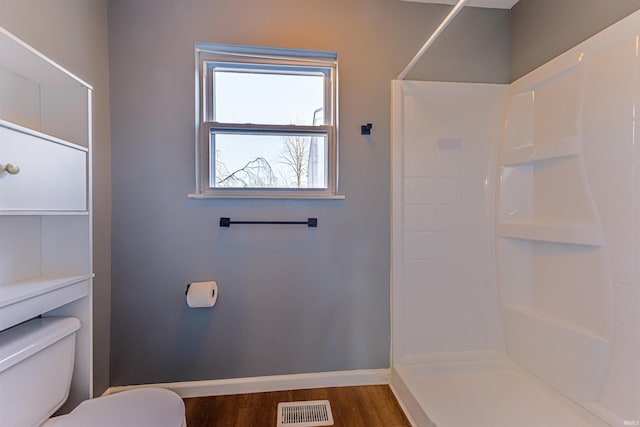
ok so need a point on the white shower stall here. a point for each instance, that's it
(516, 237)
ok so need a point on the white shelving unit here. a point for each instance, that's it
(45, 198)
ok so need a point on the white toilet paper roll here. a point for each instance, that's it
(202, 294)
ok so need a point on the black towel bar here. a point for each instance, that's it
(310, 222)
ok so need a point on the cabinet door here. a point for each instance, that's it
(52, 176)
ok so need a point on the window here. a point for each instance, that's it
(266, 122)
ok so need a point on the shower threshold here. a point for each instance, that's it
(484, 394)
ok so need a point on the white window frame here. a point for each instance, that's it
(280, 60)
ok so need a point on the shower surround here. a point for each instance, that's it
(516, 231)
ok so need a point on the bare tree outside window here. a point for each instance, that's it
(255, 174)
(286, 161)
(295, 157)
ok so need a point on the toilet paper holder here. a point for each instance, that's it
(202, 294)
(186, 292)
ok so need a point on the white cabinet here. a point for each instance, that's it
(49, 175)
(45, 198)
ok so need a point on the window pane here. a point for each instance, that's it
(266, 98)
(259, 160)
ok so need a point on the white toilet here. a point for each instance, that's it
(36, 364)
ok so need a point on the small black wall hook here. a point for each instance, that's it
(366, 129)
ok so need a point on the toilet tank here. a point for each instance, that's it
(36, 364)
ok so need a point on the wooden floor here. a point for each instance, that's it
(363, 406)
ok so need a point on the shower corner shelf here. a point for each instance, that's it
(575, 234)
(548, 347)
(565, 147)
(553, 320)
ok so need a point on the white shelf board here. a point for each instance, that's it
(8, 212)
(42, 135)
(575, 234)
(538, 152)
(494, 4)
(553, 320)
(18, 291)
(23, 300)
(22, 59)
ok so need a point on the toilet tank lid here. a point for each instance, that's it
(21, 341)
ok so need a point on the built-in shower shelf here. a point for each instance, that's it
(23, 300)
(565, 147)
(549, 347)
(590, 235)
(553, 320)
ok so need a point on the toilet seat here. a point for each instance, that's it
(144, 407)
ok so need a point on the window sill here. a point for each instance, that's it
(202, 196)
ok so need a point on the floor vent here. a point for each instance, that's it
(310, 413)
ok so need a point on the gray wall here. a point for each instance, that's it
(74, 34)
(291, 299)
(543, 29)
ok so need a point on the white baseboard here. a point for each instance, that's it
(269, 383)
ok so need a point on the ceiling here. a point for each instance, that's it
(499, 4)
